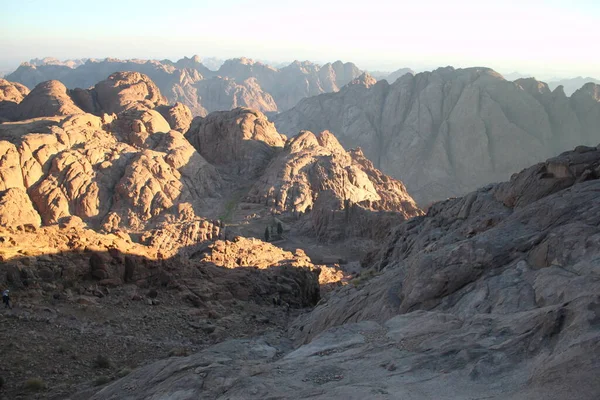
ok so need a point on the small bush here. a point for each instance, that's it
(102, 362)
(1, 382)
(363, 277)
(123, 372)
(179, 352)
(102, 380)
(35, 384)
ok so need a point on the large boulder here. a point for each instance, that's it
(16, 209)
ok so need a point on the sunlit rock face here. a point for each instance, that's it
(127, 170)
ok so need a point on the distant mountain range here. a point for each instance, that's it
(237, 82)
(570, 86)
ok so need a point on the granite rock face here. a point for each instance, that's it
(447, 132)
(121, 174)
(312, 164)
(11, 94)
(242, 140)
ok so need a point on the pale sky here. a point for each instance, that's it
(545, 38)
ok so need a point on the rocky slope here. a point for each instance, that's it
(446, 132)
(492, 295)
(237, 83)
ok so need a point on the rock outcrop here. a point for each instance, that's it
(446, 132)
(126, 90)
(48, 99)
(310, 164)
(493, 295)
(237, 83)
(11, 94)
(178, 116)
(12, 91)
(118, 175)
(120, 92)
(243, 140)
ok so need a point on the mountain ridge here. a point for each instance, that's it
(430, 129)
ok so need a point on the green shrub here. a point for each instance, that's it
(102, 362)
(35, 384)
(179, 352)
(123, 372)
(102, 380)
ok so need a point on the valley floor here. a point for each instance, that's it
(52, 348)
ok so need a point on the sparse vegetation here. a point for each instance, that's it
(179, 352)
(102, 380)
(363, 277)
(230, 207)
(123, 372)
(102, 362)
(35, 384)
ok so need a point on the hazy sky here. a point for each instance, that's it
(542, 37)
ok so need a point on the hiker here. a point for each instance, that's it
(6, 299)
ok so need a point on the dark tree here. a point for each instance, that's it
(279, 229)
(267, 234)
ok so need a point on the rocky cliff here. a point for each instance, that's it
(446, 132)
(237, 83)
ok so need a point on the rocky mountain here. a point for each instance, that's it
(446, 132)
(492, 295)
(570, 86)
(310, 164)
(11, 94)
(105, 203)
(237, 83)
(122, 225)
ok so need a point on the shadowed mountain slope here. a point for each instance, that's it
(446, 132)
